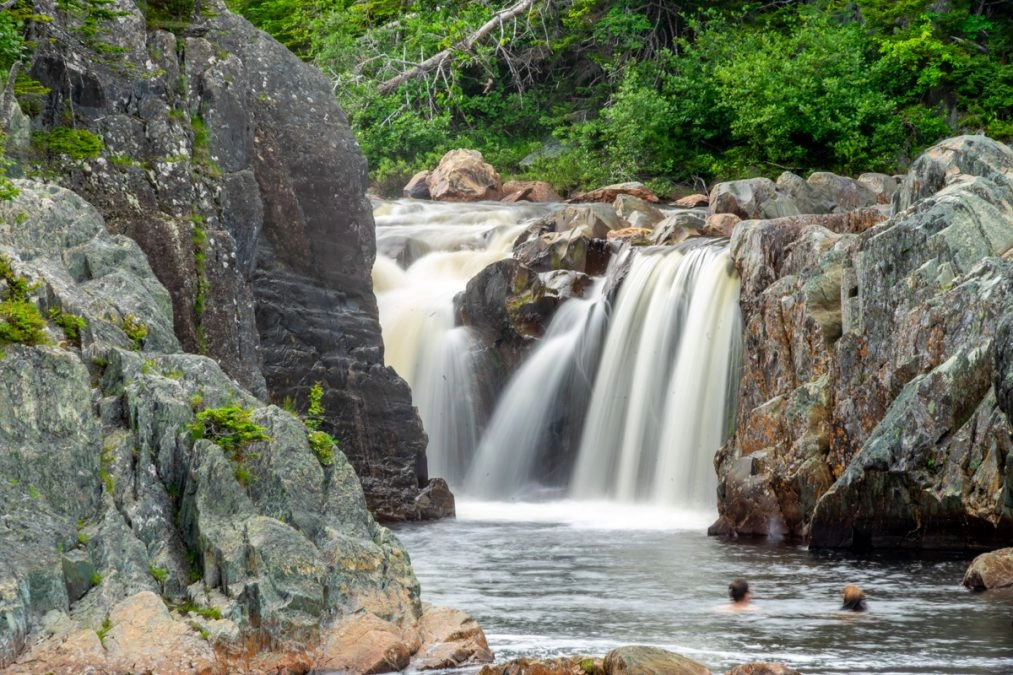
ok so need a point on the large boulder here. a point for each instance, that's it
(230, 163)
(641, 660)
(990, 570)
(751, 198)
(869, 409)
(464, 176)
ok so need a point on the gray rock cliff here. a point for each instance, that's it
(232, 166)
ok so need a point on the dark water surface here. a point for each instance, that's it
(565, 578)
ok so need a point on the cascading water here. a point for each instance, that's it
(662, 356)
(662, 398)
(441, 246)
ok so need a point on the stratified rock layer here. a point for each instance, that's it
(873, 410)
(230, 163)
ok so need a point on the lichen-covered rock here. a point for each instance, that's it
(231, 165)
(641, 660)
(869, 411)
(751, 198)
(564, 665)
(464, 176)
(990, 570)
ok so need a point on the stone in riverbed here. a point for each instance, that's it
(464, 176)
(990, 570)
(763, 668)
(643, 660)
(565, 665)
(450, 639)
(417, 188)
(529, 191)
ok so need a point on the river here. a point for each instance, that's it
(565, 578)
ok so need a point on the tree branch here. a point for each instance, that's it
(438, 59)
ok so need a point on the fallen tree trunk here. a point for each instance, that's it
(438, 59)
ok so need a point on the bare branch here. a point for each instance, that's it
(438, 60)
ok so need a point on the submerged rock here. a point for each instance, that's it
(639, 660)
(990, 570)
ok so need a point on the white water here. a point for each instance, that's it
(659, 405)
(416, 313)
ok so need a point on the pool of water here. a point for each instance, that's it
(567, 578)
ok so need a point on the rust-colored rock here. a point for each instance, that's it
(990, 570)
(464, 176)
(450, 639)
(693, 201)
(610, 192)
(566, 665)
(720, 225)
(633, 235)
(529, 191)
(367, 644)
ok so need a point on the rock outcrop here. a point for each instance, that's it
(136, 536)
(876, 360)
(230, 163)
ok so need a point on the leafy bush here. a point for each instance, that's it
(322, 443)
(232, 428)
(72, 143)
(20, 319)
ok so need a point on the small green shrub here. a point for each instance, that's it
(190, 607)
(104, 630)
(159, 574)
(322, 443)
(20, 320)
(323, 446)
(233, 430)
(73, 143)
(135, 329)
(72, 324)
(95, 579)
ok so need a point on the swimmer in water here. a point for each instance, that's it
(853, 599)
(738, 591)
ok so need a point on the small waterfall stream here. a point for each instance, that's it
(649, 371)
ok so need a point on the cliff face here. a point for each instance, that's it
(874, 406)
(230, 163)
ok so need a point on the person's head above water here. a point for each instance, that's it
(738, 590)
(854, 598)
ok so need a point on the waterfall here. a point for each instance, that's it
(660, 403)
(636, 385)
(426, 253)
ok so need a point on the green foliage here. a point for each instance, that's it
(76, 144)
(321, 443)
(72, 324)
(232, 428)
(159, 574)
(200, 259)
(104, 629)
(170, 15)
(20, 319)
(136, 330)
(95, 580)
(190, 607)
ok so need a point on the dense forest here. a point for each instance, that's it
(584, 92)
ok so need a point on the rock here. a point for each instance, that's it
(590, 220)
(637, 236)
(1002, 377)
(609, 193)
(529, 191)
(464, 176)
(947, 161)
(640, 660)
(751, 198)
(566, 665)
(507, 303)
(417, 187)
(720, 225)
(826, 192)
(693, 201)
(882, 185)
(366, 645)
(231, 165)
(990, 570)
(868, 414)
(678, 227)
(450, 639)
(763, 668)
(637, 212)
(436, 501)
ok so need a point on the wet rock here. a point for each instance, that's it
(450, 639)
(436, 501)
(637, 212)
(566, 665)
(609, 193)
(417, 187)
(529, 191)
(464, 176)
(751, 198)
(720, 225)
(639, 660)
(637, 236)
(990, 570)
(692, 201)
(676, 228)
(763, 668)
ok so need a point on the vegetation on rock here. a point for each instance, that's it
(232, 428)
(20, 318)
(323, 444)
(612, 90)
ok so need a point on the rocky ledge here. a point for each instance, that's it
(874, 408)
(138, 536)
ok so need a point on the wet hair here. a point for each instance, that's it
(854, 598)
(738, 589)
